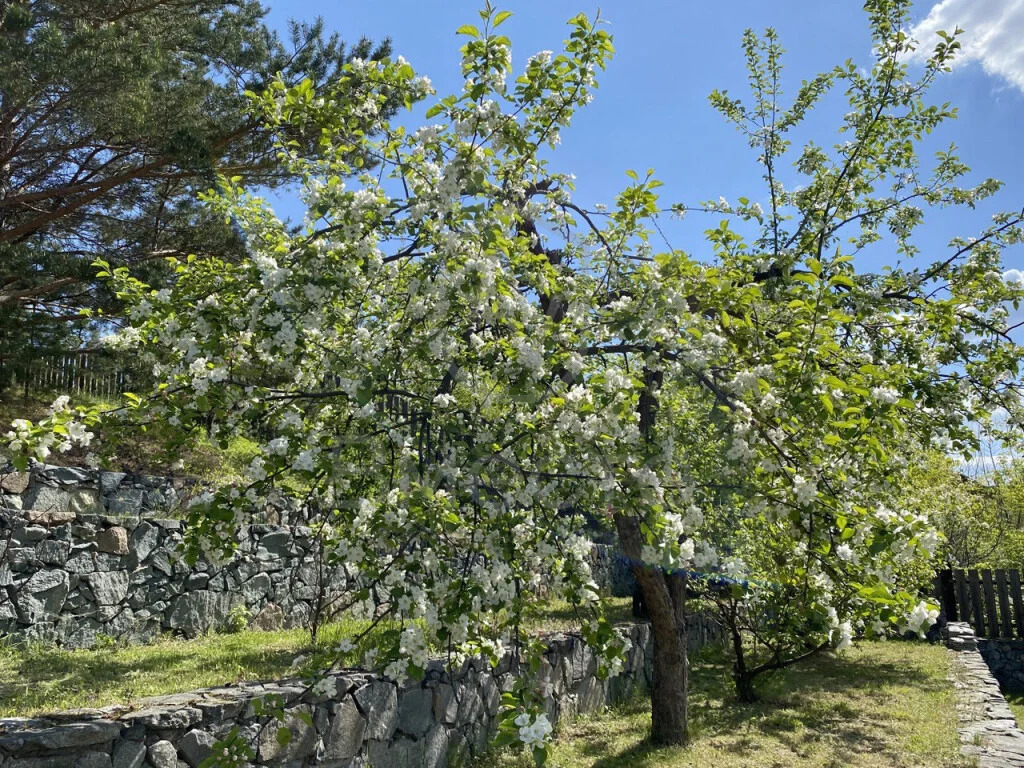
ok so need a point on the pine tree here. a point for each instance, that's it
(114, 114)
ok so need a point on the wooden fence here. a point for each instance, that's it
(78, 374)
(991, 600)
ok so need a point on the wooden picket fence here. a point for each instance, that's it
(990, 600)
(78, 374)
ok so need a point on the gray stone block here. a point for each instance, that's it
(161, 561)
(109, 587)
(42, 596)
(9, 501)
(29, 534)
(301, 744)
(344, 738)
(129, 754)
(256, 588)
(268, 619)
(109, 482)
(68, 736)
(94, 760)
(195, 746)
(165, 719)
(378, 701)
(435, 748)
(125, 502)
(278, 543)
(46, 498)
(51, 761)
(81, 562)
(121, 622)
(51, 552)
(144, 539)
(400, 753)
(446, 705)
(81, 633)
(162, 754)
(196, 612)
(19, 558)
(66, 475)
(416, 711)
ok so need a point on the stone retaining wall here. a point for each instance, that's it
(368, 721)
(612, 571)
(1005, 658)
(81, 557)
(988, 730)
(45, 488)
(86, 554)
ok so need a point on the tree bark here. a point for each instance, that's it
(742, 677)
(665, 598)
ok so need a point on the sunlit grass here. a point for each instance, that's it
(878, 705)
(39, 678)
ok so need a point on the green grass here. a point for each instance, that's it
(878, 705)
(40, 679)
(37, 679)
(1016, 702)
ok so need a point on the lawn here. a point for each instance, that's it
(1016, 702)
(39, 679)
(878, 705)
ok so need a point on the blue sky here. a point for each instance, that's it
(651, 110)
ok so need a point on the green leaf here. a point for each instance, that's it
(284, 736)
(842, 280)
(501, 17)
(468, 29)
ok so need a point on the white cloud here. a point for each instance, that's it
(1013, 276)
(993, 34)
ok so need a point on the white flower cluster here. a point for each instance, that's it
(533, 730)
(920, 620)
(66, 431)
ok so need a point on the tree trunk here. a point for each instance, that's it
(665, 599)
(744, 680)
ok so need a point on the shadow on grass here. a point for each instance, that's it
(827, 698)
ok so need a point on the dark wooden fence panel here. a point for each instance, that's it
(963, 601)
(1005, 620)
(1018, 603)
(977, 611)
(992, 601)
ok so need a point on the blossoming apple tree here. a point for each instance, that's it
(453, 356)
(867, 368)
